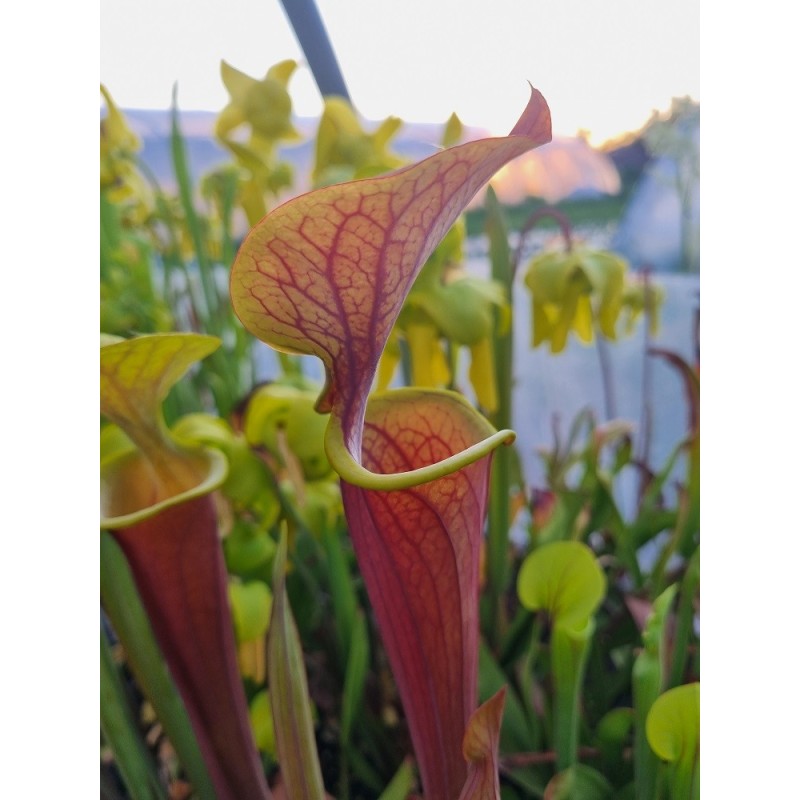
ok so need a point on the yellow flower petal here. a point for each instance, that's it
(482, 376)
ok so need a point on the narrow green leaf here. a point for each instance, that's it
(401, 784)
(365, 771)
(685, 619)
(343, 596)
(647, 682)
(291, 705)
(185, 193)
(515, 734)
(124, 608)
(520, 731)
(355, 677)
(136, 764)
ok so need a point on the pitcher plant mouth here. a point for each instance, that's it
(351, 469)
(130, 492)
(149, 469)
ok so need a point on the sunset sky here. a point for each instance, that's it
(604, 67)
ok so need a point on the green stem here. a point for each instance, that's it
(544, 212)
(685, 620)
(528, 683)
(222, 371)
(605, 374)
(647, 379)
(646, 685)
(570, 649)
(499, 508)
(342, 590)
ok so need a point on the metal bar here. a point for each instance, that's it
(310, 31)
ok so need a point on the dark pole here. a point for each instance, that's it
(310, 31)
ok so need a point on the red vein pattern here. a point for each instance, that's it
(418, 552)
(327, 273)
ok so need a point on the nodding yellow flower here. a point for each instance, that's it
(575, 291)
(345, 151)
(266, 107)
(119, 175)
(429, 368)
(447, 304)
(118, 143)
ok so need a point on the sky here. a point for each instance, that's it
(604, 67)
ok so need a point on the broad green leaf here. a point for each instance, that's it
(355, 677)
